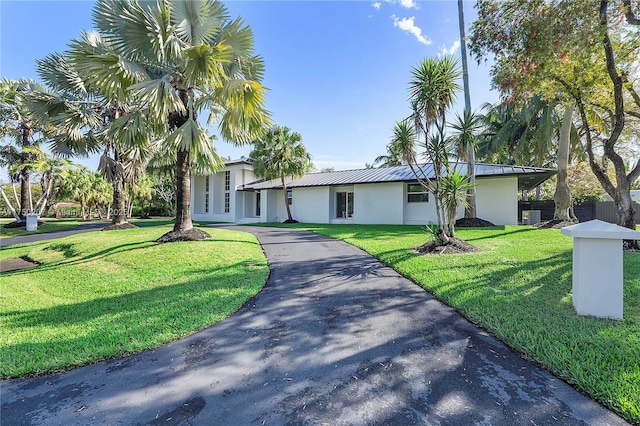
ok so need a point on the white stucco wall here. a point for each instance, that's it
(378, 203)
(423, 213)
(497, 200)
(310, 205)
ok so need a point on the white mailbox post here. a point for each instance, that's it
(32, 222)
(597, 267)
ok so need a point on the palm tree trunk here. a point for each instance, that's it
(562, 196)
(11, 209)
(470, 208)
(286, 201)
(119, 195)
(183, 193)
(25, 201)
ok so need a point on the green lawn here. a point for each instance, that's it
(49, 225)
(519, 289)
(102, 294)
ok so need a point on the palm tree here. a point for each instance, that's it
(392, 158)
(466, 130)
(78, 185)
(278, 154)
(470, 207)
(53, 170)
(17, 122)
(83, 120)
(180, 58)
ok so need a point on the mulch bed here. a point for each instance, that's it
(554, 223)
(455, 246)
(22, 224)
(10, 265)
(125, 225)
(193, 234)
(474, 222)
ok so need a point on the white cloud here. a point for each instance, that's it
(450, 51)
(408, 4)
(408, 25)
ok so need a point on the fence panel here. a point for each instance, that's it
(585, 211)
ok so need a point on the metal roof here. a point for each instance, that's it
(528, 177)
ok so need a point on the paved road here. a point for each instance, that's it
(334, 338)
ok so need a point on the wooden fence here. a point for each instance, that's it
(587, 210)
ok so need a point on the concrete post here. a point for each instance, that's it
(597, 267)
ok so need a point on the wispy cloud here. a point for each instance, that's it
(451, 50)
(407, 4)
(408, 25)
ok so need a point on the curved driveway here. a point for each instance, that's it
(334, 338)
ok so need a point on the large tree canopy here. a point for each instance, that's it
(179, 59)
(580, 52)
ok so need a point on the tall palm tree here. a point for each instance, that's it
(17, 122)
(181, 58)
(278, 154)
(470, 207)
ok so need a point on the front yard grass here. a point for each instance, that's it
(519, 289)
(103, 294)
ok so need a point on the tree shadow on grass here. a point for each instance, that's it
(126, 323)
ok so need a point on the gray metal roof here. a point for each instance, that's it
(528, 177)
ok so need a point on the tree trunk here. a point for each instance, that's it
(25, 200)
(119, 195)
(286, 202)
(470, 208)
(11, 209)
(562, 196)
(183, 193)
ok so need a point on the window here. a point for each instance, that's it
(227, 188)
(289, 196)
(258, 199)
(206, 194)
(417, 194)
(344, 205)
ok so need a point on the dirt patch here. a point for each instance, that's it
(125, 225)
(16, 264)
(193, 234)
(473, 222)
(455, 246)
(290, 221)
(554, 223)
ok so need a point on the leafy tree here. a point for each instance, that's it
(179, 59)
(53, 171)
(142, 191)
(17, 123)
(78, 186)
(278, 154)
(577, 51)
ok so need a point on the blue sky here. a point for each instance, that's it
(337, 71)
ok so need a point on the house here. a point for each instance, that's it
(389, 195)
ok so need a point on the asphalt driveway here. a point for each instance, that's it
(334, 338)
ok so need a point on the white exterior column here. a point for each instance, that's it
(597, 282)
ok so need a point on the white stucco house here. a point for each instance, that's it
(388, 195)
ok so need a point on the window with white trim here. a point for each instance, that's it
(227, 193)
(416, 193)
(289, 196)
